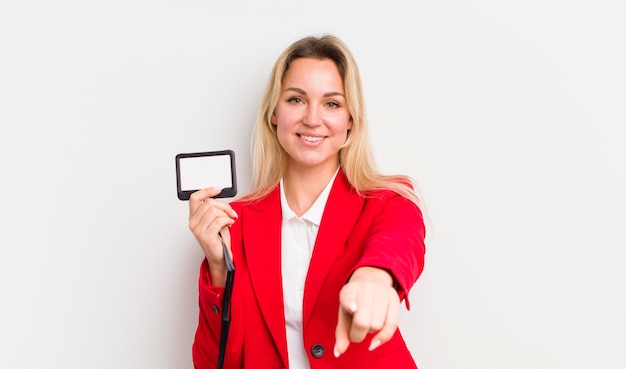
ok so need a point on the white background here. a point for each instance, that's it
(509, 114)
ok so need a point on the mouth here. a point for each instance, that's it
(310, 138)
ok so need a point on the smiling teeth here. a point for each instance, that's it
(311, 138)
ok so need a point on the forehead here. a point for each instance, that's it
(313, 71)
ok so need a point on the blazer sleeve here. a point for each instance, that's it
(395, 241)
(206, 344)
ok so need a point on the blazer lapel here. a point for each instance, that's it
(262, 235)
(340, 214)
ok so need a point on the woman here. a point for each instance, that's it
(325, 247)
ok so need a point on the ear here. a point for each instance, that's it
(273, 119)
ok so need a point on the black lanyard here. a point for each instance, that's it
(228, 291)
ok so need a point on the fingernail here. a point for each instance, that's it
(218, 188)
(235, 214)
(352, 306)
(374, 345)
(335, 352)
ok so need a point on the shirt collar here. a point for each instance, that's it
(315, 212)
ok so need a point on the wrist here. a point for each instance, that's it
(373, 274)
(217, 272)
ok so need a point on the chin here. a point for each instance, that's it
(316, 162)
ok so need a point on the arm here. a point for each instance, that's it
(392, 260)
(396, 243)
(208, 218)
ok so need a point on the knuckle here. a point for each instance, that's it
(393, 296)
(390, 328)
(360, 323)
(376, 325)
(346, 293)
(386, 333)
(195, 196)
(356, 336)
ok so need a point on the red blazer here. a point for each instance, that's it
(383, 230)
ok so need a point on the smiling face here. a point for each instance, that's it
(312, 117)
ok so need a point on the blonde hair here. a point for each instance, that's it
(269, 159)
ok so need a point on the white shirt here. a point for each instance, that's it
(298, 239)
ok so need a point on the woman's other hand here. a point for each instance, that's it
(209, 220)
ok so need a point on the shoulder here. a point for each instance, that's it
(380, 194)
(382, 187)
(389, 204)
(384, 196)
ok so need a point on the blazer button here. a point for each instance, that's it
(317, 351)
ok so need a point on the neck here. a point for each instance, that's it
(303, 187)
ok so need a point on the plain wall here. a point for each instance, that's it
(509, 115)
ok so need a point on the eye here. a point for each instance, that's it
(333, 105)
(295, 100)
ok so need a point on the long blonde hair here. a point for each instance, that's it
(269, 159)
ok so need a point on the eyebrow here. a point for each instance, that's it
(301, 91)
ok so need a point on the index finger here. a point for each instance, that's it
(342, 332)
(205, 193)
(347, 308)
(201, 196)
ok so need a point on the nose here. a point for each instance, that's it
(313, 117)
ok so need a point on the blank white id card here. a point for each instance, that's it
(195, 171)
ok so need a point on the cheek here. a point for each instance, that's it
(285, 115)
(342, 123)
(282, 134)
